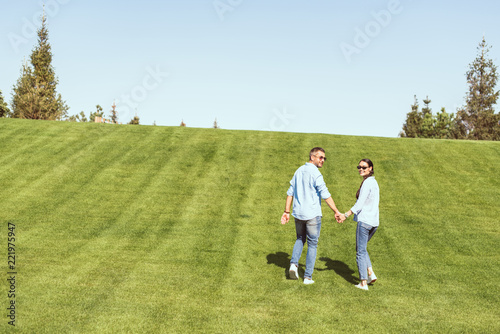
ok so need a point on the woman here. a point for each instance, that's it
(366, 214)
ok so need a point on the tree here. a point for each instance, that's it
(4, 109)
(82, 118)
(443, 125)
(34, 95)
(423, 124)
(428, 121)
(78, 118)
(134, 120)
(98, 113)
(23, 96)
(477, 119)
(413, 125)
(114, 114)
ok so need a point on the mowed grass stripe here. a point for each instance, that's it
(247, 277)
(40, 144)
(76, 211)
(189, 245)
(197, 246)
(44, 175)
(93, 197)
(147, 241)
(102, 249)
(212, 224)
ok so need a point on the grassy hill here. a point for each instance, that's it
(124, 228)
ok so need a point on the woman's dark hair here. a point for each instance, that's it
(370, 164)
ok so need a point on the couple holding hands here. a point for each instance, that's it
(307, 189)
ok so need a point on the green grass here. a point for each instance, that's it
(128, 229)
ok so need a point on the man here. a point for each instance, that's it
(307, 188)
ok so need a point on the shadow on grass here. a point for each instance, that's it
(340, 269)
(282, 260)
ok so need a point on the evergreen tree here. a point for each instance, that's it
(4, 109)
(34, 95)
(134, 120)
(423, 124)
(114, 114)
(23, 96)
(98, 113)
(81, 117)
(78, 118)
(477, 119)
(428, 121)
(443, 125)
(413, 125)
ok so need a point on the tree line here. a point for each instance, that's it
(475, 120)
(35, 96)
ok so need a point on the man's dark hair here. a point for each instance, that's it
(314, 150)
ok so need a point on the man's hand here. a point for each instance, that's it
(286, 214)
(285, 218)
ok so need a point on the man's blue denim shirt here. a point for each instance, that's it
(307, 188)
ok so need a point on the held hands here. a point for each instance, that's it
(339, 217)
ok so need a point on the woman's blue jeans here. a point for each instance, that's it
(364, 233)
(307, 230)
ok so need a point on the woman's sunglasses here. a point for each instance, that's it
(361, 167)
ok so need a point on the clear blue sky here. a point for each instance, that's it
(316, 66)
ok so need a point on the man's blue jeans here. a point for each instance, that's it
(307, 230)
(364, 233)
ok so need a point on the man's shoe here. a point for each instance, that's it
(308, 281)
(293, 272)
(371, 279)
(359, 286)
